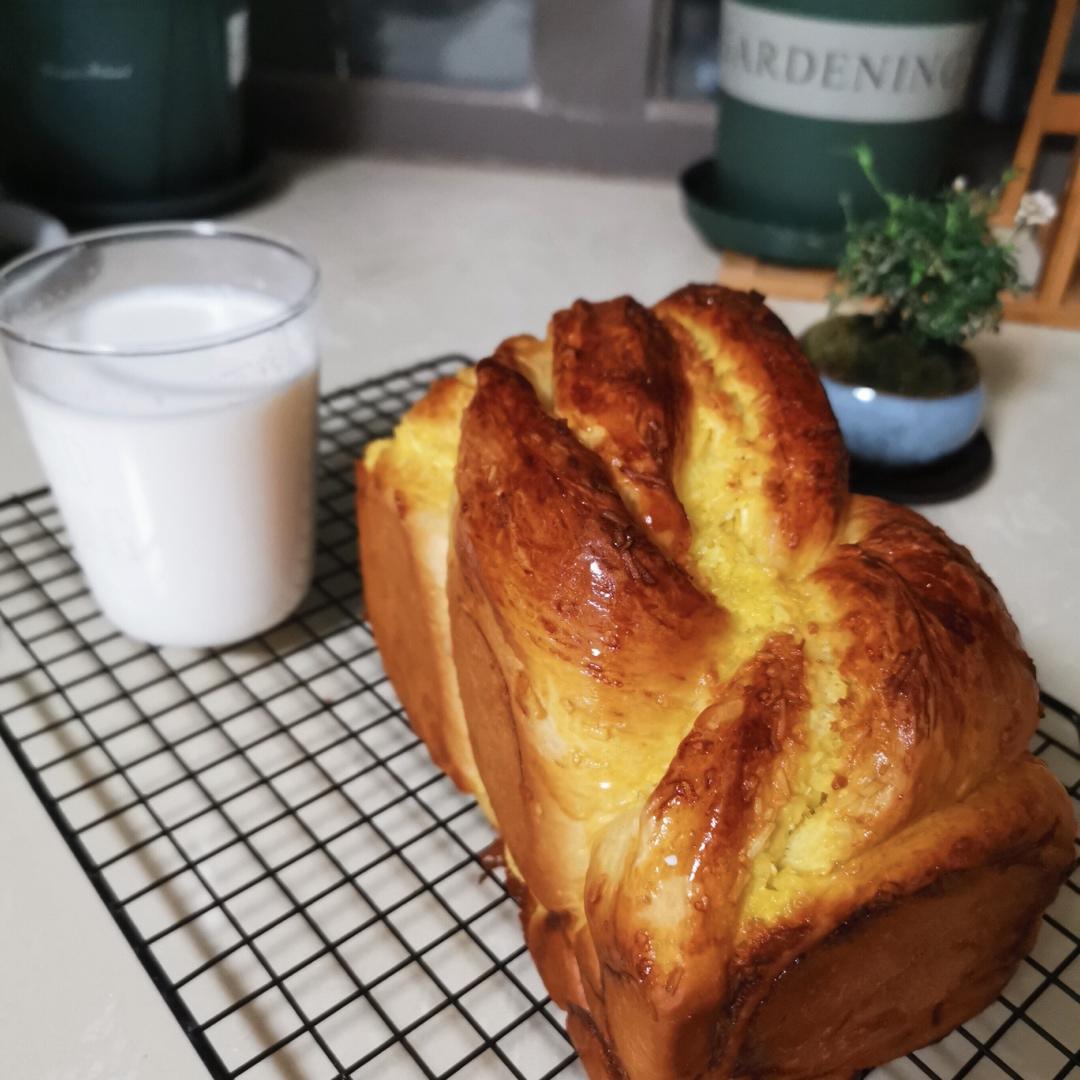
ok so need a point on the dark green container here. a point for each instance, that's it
(804, 81)
(118, 108)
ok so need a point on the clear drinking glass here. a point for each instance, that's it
(168, 377)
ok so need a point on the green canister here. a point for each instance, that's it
(804, 81)
(122, 108)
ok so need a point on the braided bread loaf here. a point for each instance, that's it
(757, 747)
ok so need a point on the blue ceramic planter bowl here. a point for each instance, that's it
(900, 431)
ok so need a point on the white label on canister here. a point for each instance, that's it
(831, 70)
(236, 46)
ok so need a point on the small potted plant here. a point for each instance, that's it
(905, 389)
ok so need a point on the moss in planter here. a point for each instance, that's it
(853, 349)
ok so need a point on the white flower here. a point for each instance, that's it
(960, 184)
(1036, 208)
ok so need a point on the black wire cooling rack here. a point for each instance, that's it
(308, 893)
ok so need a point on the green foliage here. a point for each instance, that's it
(934, 264)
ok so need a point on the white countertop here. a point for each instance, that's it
(420, 260)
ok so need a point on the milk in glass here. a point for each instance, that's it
(185, 478)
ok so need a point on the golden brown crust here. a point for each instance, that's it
(807, 481)
(666, 921)
(549, 572)
(410, 642)
(404, 537)
(918, 957)
(541, 526)
(618, 385)
(756, 747)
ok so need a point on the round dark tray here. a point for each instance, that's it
(952, 476)
(213, 199)
(727, 231)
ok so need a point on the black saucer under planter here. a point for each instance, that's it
(951, 477)
(900, 402)
(727, 230)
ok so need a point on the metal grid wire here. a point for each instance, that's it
(306, 890)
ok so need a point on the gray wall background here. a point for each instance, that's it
(591, 84)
